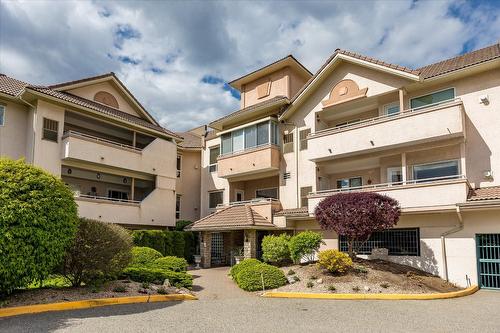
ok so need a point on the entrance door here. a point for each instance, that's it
(240, 194)
(488, 260)
(217, 249)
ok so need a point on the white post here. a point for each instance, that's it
(462, 159)
(404, 168)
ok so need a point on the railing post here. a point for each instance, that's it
(403, 168)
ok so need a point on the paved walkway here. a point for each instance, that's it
(214, 283)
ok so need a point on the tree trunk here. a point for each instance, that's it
(350, 249)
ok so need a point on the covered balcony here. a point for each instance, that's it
(367, 131)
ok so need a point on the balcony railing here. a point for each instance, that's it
(95, 197)
(248, 150)
(249, 202)
(382, 118)
(100, 140)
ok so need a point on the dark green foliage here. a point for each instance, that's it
(181, 224)
(158, 276)
(190, 240)
(168, 243)
(177, 244)
(38, 219)
(100, 250)
(144, 256)
(251, 278)
(242, 265)
(162, 291)
(304, 245)
(170, 263)
(275, 249)
(155, 239)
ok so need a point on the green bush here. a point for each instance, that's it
(304, 245)
(242, 265)
(38, 219)
(99, 250)
(251, 278)
(168, 243)
(158, 276)
(170, 263)
(190, 240)
(334, 261)
(177, 244)
(144, 256)
(275, 248)
(181, 224)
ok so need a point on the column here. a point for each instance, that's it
(462, 159)
(404, 168)
(132, 189)
(401, 100)
(206, 249)
(134, 138)
(250, 244)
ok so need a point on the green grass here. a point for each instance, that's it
(53, 281)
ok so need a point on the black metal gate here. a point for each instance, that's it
(488, 260)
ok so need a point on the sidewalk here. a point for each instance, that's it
(214, 283)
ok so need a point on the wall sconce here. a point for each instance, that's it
(98, 175)
(70, 171)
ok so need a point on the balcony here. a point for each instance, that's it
(441, 193)
(260, 160)
(152, 159)
(434, 122)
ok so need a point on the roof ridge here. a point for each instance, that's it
(89, 78)
(249, 213)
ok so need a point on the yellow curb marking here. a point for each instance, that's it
(92, 303)
(465, 292)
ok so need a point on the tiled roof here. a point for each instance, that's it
(191, 140)
(11, 86)
(374, 61)
(64, 96)
(465, 60)
(484, 193)
(303, 211)
(211, 135)
(232, 217)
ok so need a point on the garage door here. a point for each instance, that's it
(488, 252)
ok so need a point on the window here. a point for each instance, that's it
(178, 206)
(274, 133)
(227, 143)
(239, 195)
(349, 182)
(214, 199)
(399, 242)
(238, 140)
(179, 165)
(346, 123)
(304, 191)
(394, 175)
(214, 153)
(435, 97)
(262, 134)
(287, 143)
(2, 115)
(438, 170)
(117, 194)
(303, 138)
(250, 137)
(267, 193)
(391, 109)
(50, 129)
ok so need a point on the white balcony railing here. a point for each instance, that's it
(96, 197)
(101, 140)
(249, 202)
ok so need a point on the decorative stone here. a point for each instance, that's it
(291, 279)
(319, 281)
(366, 288)
(166, 283)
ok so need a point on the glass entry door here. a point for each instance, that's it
(217, 249)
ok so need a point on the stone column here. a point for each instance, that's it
(250, 244)
(206, 249)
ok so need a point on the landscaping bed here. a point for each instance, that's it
(111, 289)
(365, 277)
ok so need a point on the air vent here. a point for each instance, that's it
(286, 175)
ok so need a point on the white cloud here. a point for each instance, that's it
(181, 42)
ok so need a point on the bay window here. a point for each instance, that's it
(250, 137)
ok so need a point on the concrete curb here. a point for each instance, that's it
(461, 293)
(92, 303)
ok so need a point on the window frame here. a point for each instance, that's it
(304, 197)
(267, 188)
(272, 129)
(3, 111)
(179, 165)
(111, 189)
(386, 107)
(430, 93)
(212, 167)
(178, 198)
(56, 131)
(214, 192)
(457, 161)
(349, 179)
(391, 169)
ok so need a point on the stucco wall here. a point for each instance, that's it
(189, 185)
(13, 134)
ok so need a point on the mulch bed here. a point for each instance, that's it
(68, 294)
(368, 276)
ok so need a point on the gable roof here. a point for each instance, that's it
(11, 86)
(233, 218)
(484, 193)
(191, 140)
(111, 76)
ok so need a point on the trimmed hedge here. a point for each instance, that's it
(171, 263)
(260, 276)
(168, 243)
(158, 276)
(304, 245)
(276, 249)
(144, 256)
(241, 266)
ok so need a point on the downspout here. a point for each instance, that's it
(296, 153)
(443, 240)
(34, 128)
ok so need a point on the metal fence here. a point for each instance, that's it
(399, 242)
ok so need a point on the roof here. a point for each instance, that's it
(232, 217)
(11, 86)
(191, 140)
(274, 66)
(293, 212)
(465, 60)
(484, 193)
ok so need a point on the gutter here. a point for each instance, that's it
(443, 240)
(34, 127)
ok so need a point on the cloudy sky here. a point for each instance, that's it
(176, 57)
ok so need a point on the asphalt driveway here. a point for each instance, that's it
(237, 311)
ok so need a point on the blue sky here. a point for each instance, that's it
(177, 57)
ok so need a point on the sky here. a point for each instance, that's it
(177, 57)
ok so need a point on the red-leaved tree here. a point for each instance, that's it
(356, 215)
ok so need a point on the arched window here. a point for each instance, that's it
(106, 98)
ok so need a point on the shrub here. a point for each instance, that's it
(162, 291)
(181, 224)
(309, 284)
(242, 265)
(144, 256)
(304, 245)
(177, 244)
(170, 263)
(155, 239)
(190, 240)
(334, 261)
(158, 276)
(38, 219)
(251, 278)
(120, 289)
(168, 243)
(275, 248)
(357, 215)
(99, 250)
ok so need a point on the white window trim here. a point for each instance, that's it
(394, 168)
(2, 123)
(430, 93)
(385, 107)
(213, 164)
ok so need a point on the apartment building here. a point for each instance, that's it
(96, 136)
(427, 137)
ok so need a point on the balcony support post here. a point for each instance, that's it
(401, 99)
(132, 189)
(462, 159)
(403, 168)
(134, 139)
